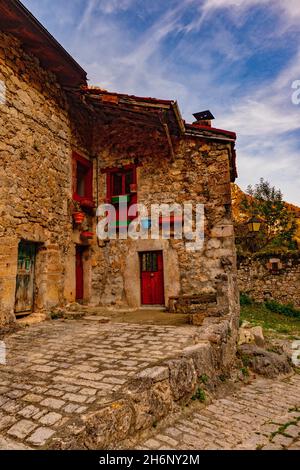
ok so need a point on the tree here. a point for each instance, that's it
(278, 224)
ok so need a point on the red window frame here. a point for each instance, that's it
(110, 172)
(109, 180)
(88, 179)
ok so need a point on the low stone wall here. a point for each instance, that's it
(157, 391)
(271, 277)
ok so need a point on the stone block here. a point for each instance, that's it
(151, 401)
(182, 378)
(245, 336)
(203, 358)
(53, 403)
(108, 426)
(50, 418)
(222, 232)
(22, 428)
(266, 363)
(259, 339)
(41, 436)
(156, 374)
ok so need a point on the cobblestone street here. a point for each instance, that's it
(59, 370)
(264, 415)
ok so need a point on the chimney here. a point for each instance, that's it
(203, 118)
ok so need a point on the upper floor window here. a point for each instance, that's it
(82, 178)
(122, 182)
(122, 188)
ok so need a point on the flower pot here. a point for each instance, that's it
(133, 188)
(78, 217)
(86, 235)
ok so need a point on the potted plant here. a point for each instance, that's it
(86, 235)
(78, 215)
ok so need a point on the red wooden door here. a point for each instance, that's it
(152, 278)
(79, 273)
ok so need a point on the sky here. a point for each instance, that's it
(237, 58)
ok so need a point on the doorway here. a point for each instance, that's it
(24, 300)
(152, 278)
(79, 273)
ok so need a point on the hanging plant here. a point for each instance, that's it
(87, 235)
(78, 217)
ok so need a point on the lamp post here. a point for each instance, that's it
(253, 225)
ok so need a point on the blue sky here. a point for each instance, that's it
(237, 58)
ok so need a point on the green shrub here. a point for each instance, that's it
(199, 395)
(245, 299)
(245, 371)
(288, 310)
(204, 378)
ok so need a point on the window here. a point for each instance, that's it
(149, 262)
(122, 182)
(117, 184)
(82, 178)
(275, 267)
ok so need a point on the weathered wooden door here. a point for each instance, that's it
(79, 273)
(25, 278)
(152, 278)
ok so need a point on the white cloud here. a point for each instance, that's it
(289, 11)
(112, 6)
(103, 7)
(289, 7)
(267, 125)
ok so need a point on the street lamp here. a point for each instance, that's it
(253, 225)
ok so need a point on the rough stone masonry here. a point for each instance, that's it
(271, 277)
(61, 142)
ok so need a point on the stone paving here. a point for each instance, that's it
(264, 415)
(63, 369)
(59, 370)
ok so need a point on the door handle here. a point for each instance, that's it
(151, 275)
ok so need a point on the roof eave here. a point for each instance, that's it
(17, 20)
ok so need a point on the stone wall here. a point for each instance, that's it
(36, 139)
(271, 277)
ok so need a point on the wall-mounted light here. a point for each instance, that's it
(254, 225)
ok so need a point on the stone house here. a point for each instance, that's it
(66, 148)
